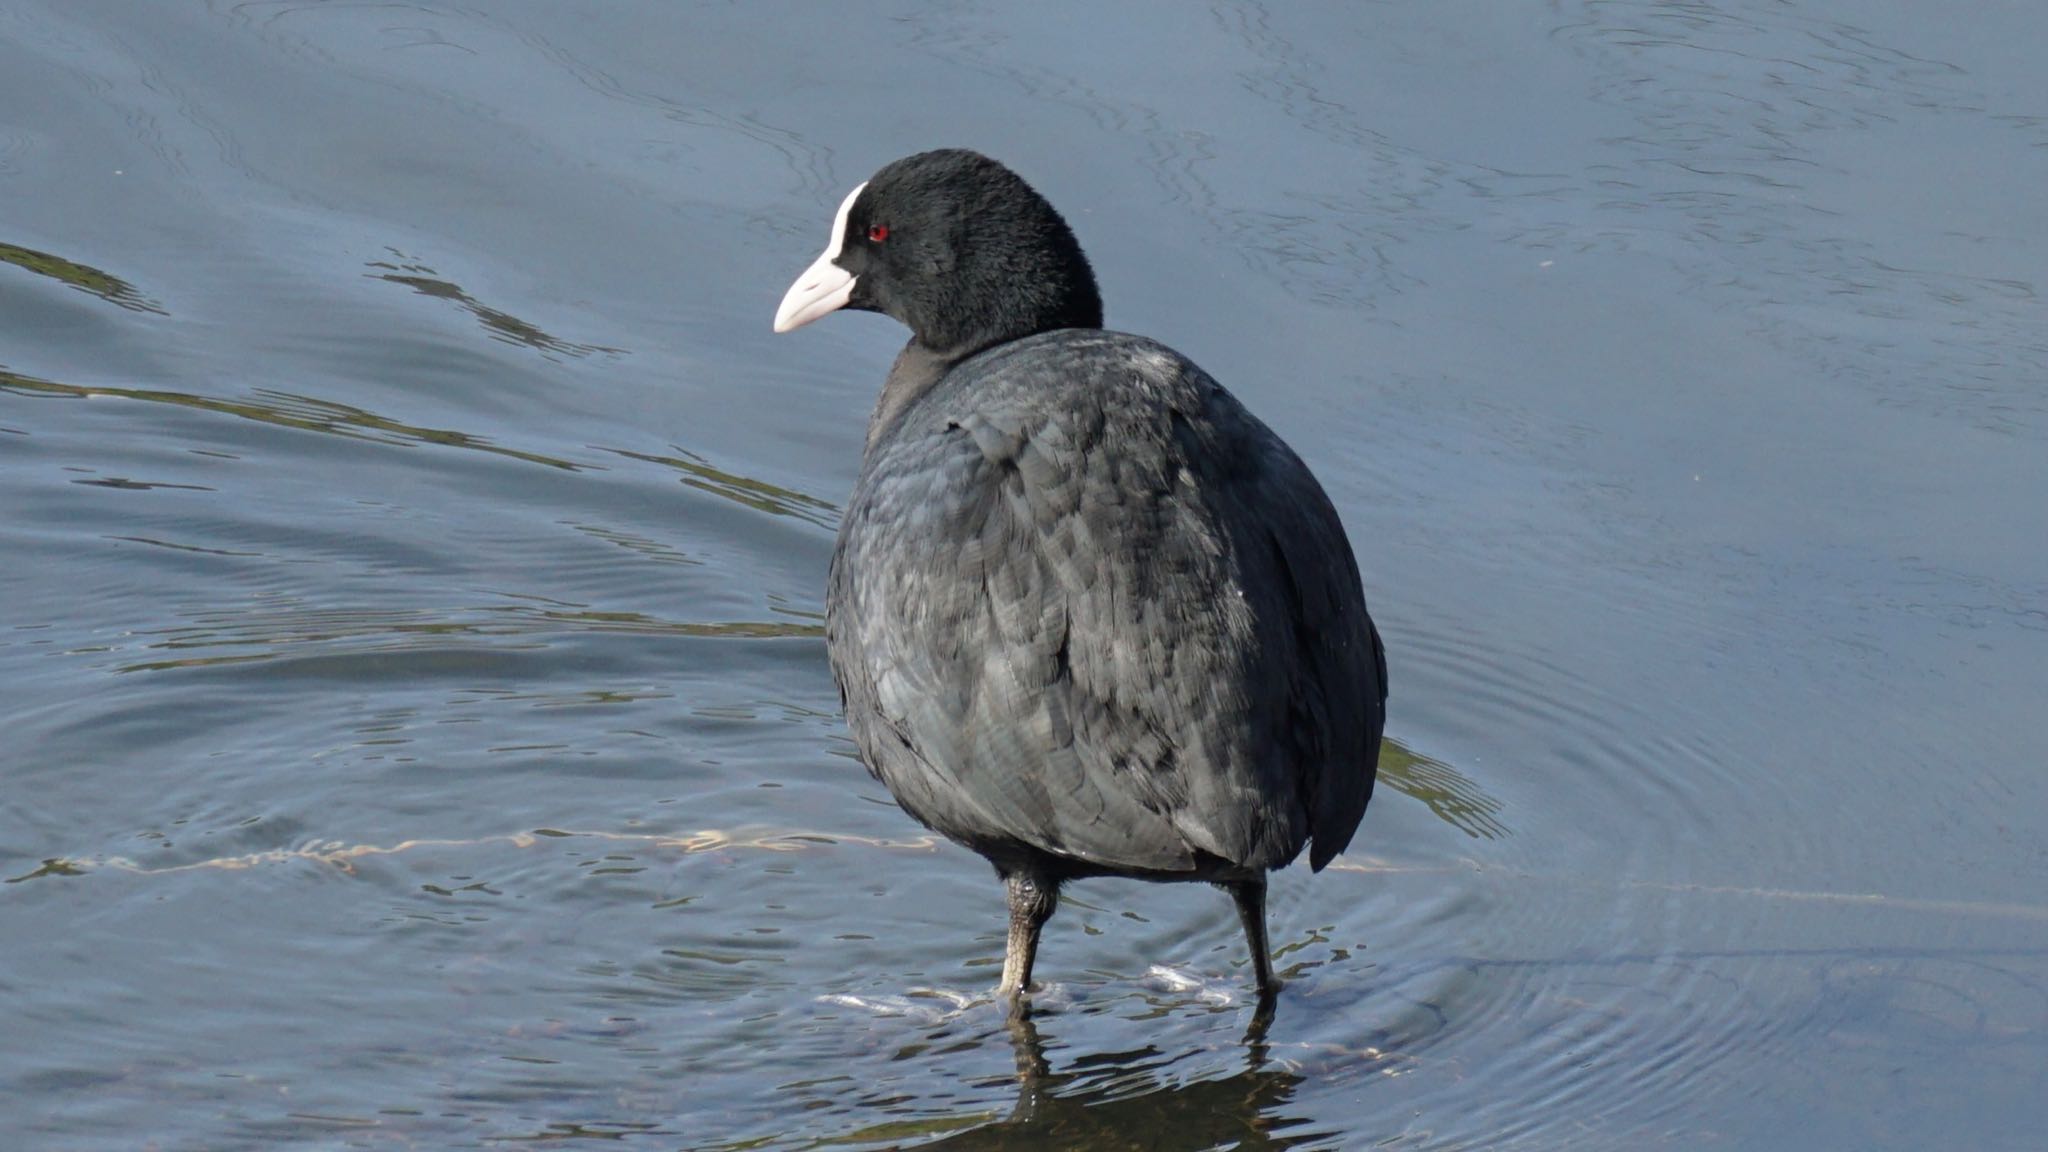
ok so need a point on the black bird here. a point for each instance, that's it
(1088, 616)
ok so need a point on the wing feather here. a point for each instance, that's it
(1082, 600)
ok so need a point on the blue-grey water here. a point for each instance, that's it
(417, 731)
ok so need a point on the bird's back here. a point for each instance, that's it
(1084, 604)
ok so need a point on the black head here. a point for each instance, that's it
(955, 246)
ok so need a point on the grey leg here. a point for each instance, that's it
(1031, 903)
(1251, 908)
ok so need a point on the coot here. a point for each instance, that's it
(1088, 616)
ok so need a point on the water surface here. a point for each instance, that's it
(418, 726)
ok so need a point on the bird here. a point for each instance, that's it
(1087, 615)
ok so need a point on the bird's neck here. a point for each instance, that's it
(1068, 302)
(916, 370)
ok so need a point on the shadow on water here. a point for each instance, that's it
(1454, 797)
(83, 277)
(287, 410)
(339, 642)
(311, 414)
(501, 325)
(756, 494)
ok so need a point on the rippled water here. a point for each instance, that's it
(418, 729)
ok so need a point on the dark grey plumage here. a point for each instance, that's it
(1087, 614)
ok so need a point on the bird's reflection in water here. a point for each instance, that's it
(1124, 1100)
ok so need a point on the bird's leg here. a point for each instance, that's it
(1251, 908)
(1032, 899)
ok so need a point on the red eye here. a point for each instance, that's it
(878, 232)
